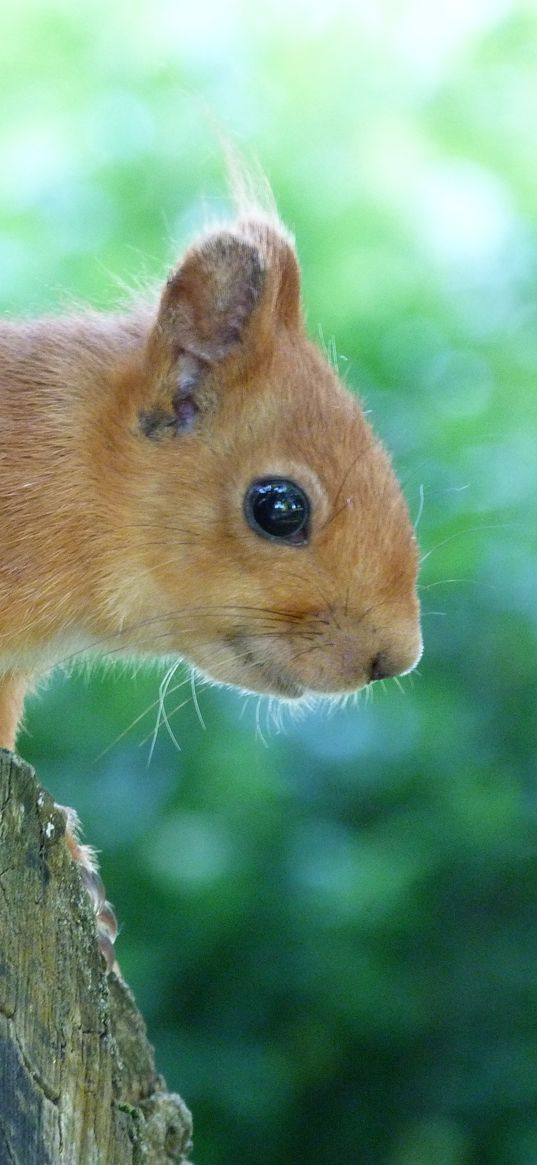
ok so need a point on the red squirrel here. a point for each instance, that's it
(191, 479)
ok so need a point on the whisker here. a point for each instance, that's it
(308, 650)
(165, 716)
(331, 518)
(160, 526)
(308, 581)
(445, 581)
(365, 449)
(161, 715)
(129, 728)
(137, 720)
(258, 732)
(460, 533)
(171, 616)
(165, 546)
(405, 478)
(417, 519)
(169, 730)
(195, 701)
(166, 720)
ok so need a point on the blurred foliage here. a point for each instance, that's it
(331, 926)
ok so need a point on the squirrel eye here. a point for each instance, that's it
(278, 509)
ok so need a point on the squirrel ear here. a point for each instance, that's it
(220, 303)
(209, 298)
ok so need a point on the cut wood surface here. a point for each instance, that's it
(78, 1084)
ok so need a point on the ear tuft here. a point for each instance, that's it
(276, 246)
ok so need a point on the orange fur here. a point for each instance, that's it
(128, 443)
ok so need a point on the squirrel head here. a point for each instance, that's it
(274, 549)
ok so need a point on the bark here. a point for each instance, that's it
(78, 1084)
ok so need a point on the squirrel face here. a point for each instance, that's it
(274, 549)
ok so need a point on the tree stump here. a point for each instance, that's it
(78, 1084)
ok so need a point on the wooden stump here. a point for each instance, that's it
(78, 1084)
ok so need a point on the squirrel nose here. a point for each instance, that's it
(382, 667)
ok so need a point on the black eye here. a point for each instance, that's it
(278, 509)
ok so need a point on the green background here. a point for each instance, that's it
(331, 926)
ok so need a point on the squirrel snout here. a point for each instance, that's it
(384, 665)
(381, 667)
(364, 663)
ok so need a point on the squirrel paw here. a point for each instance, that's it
(85, 857)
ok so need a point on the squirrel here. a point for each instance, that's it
(191, 479)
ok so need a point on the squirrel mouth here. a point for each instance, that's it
(274, 680)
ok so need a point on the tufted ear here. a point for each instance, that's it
(220, 305)
(209, 299)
